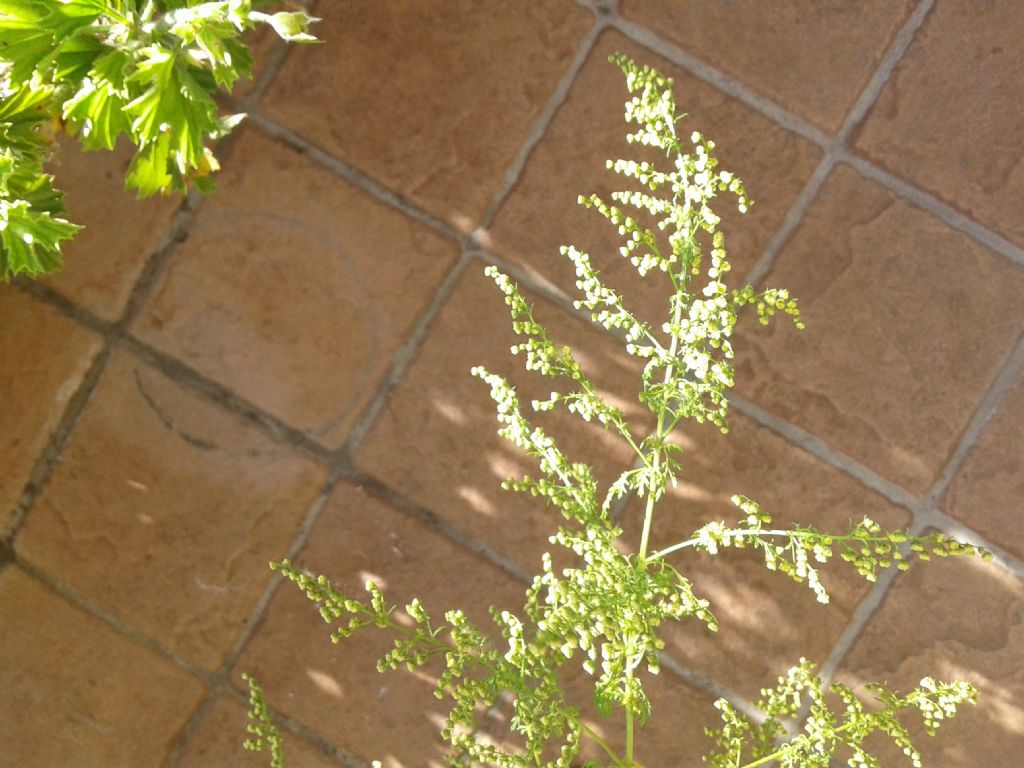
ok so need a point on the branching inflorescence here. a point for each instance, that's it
(605, 612)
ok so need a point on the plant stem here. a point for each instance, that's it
(629, 735)
(778, 753)
(600, 742)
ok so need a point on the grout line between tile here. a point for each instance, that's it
(354, 176)
(404, 357)
(720, 81)
(820, 449)
(864, 103)
(785, 119)
(96, 611)
(891, 59)
(256, 614)
(220, 395)
(933, 205)
(859, 619)
(50, 455)
(708, 685)
(792, 220)
(935, 518)
(310, 737)
(413, 509)
(541, 124)
(1008, 376)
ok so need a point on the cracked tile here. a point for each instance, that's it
(165, 510)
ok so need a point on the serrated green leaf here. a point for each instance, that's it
(30, 240)
(97, 111)
(148, 172)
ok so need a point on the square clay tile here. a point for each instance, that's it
(908, 321)
(45, 356)
(432, 99)
(121, 232)
(953, 619)
(294, 289)
(767, 621)
(951, 117)
(184, 503)
(986, 493)
(541, 213)
(336, 690)
(812, 58)
(435, 440)
(217, 742)
(75, 692)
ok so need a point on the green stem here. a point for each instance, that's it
(779, 752)
(629, 736)
(763, 532)
(600, 742)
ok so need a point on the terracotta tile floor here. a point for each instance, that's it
(282, 370)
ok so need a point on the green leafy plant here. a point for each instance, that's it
(145, 69)
(606, 612)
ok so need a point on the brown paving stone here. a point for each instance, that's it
(907, 320)
(435, 441)
(953, 619)
(218, 742)
(294, 289)
(541, 214)
(950, 119)
(812, 58)
(986, 494)
(433, 99)
(767, 621)
(44, 357)
(121, 232)
(165, 510)
(336, 689)
(77, 693)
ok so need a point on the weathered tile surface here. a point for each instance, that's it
(336, 689)
(218, 742)
(953, 619)
(432, 99)
(294, 289)
(812, 58)
(77, 693)
(987, 493)
(908, 322)
(541, 213)
(165, 510)
(949, 119)
(767, 621)
(105, 259)
(43, 357)
(435, 440)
